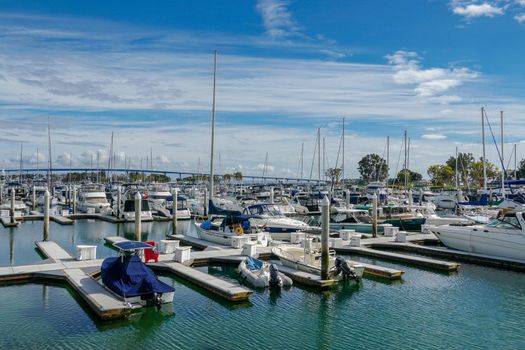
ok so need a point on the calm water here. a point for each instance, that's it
(478, 308)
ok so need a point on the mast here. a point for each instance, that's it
(405, 163)
(324, 159)
(319, 155)
(387, 159)
(37, 155)
(502, 158)
(483, 141)
(456, 172)
(50, 164)
(213, 124)
(343, 163)
(515, 163)
(151, 157)
(302, 159)
(21, 152)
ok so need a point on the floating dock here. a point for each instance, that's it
(6, 222)
(412, 260)
(442, 252)
(228, 290)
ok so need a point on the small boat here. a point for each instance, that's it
(308, 259)
(128, 277)
(261, 274)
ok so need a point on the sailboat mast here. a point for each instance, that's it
(387, 159)
(456, 171)
(50, 164)
(406, 165)
(319, 155)
(483, 141)
(213, 123)
(515, 163)
(343, 163)
(502, 158)
(21, 152)
(302, 159)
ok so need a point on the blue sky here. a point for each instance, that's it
(143, 70)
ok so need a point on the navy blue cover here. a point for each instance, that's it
(132, 245)
(128, 276)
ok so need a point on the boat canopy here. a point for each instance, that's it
(213, 210)
(253, 264)
(128, 276)
(131, 245)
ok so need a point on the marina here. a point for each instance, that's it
(265, 174)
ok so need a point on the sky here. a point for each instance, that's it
(144, 70)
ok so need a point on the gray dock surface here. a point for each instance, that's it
(412, 260)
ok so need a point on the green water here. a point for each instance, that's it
(478, 308)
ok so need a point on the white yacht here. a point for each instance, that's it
(503, 237)
(274, 221)
(92, 198)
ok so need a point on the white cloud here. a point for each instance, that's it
(277, 20)
(520, 18)
(471, 10)
(431, 82)
(433, 137)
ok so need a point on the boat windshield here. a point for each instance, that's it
(507, 222)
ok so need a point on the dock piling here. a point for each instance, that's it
(138, 207)
(374, 215)
(175, 195)
(33, 198)
(46, 215)
(325, 227)
(74, 200)
(12, 208)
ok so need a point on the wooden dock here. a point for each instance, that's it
(228, 290)
(412, 260)
(52, 250)
(6, 222)
(442, 252)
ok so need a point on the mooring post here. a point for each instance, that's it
(325, 228)
(1, 194)
(206, 202)
(12, 208)
(347, 198)
(138, 207)
(272, 195)
(46, 215)
(175, 195)
(33, 198)
(374, 215)
(410, 200)
(119, 193)
(74, 200)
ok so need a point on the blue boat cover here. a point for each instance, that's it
(128, 276)
(253, 264)
(132, 245)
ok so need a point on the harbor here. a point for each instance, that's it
(266, 174)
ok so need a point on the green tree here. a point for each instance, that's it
(334, 174)
(373, 168)
(440, 174)
(520, 172)
(476, 172)
(412, 177)
(464, 162)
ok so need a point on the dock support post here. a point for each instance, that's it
(325, 227)
(46, 215)
(1, 194)
(374, 215)
(206, 202)
(272, 195)
(33, 198)
(12, 208)
(74, 200)
(119, 194)
(410, 200)
(138, 207)
(175, 195)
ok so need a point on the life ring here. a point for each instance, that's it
(239, 230)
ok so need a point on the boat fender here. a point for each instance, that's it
(158, 300)
(238, 230)
(275, 279)
(342, 267)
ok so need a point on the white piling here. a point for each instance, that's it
(74, 200)
(119, 194)
(374, 215)
(1, 194)
(272, 195)
(325, 228)
(46, 215)
(12, 209)
(175, 195)
(33, 198)
(138, 207)
(206, 202)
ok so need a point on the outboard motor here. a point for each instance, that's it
(275, 279)
(342, 267)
